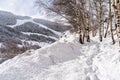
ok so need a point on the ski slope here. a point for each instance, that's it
(66, 59)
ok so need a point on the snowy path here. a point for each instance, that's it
(79, 69)
(66, 60)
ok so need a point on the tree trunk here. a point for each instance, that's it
(111, 22)
(106, 29)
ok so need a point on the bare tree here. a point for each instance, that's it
(87, 16)
(110, 16)
(116, 6)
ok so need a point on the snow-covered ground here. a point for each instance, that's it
(66, 59)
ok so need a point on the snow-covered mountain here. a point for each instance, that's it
(30, 29)
(66, 59)
(26, 31)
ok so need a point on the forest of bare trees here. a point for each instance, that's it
(89, 17)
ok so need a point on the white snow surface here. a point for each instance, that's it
(66, 59)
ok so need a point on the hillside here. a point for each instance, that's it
(66, 59)
(26, 31)
(32, 29)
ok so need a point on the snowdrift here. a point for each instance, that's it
(66, 59)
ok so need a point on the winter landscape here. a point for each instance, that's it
(60, 40)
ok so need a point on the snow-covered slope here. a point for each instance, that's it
(18, 27)
(27, 31)
(66, 59)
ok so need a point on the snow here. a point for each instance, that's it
(29, 33)
(41, 44)
(20, 22)
(66, 59)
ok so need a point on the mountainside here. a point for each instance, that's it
(30, 29)
(66, 59)
(21, 33)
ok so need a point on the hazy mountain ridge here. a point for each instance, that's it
(10, 29)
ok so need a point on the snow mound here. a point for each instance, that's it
(66, 59)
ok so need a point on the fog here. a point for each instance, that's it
(19, 7)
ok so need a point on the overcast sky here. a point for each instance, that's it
(20, 7)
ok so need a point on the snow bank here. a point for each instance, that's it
(66, 60)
